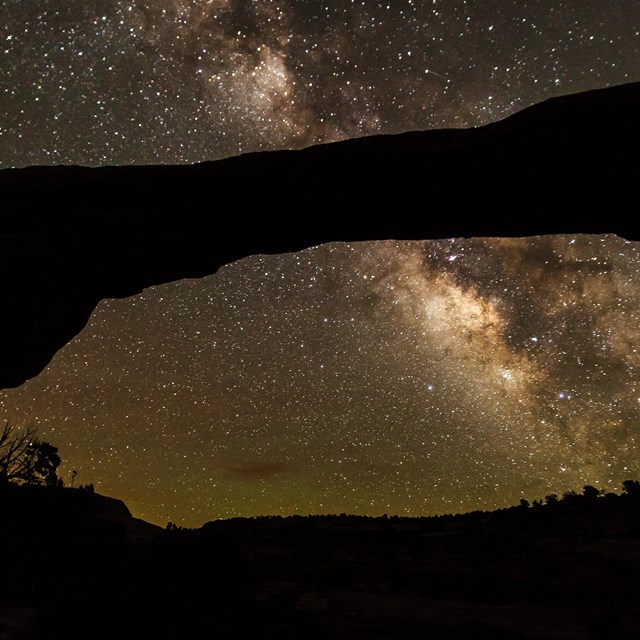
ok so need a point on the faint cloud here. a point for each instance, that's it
(256, 470)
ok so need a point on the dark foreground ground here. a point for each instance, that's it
(77, 565)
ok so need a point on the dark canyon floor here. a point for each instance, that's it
(77, 564)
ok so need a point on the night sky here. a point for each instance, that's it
(97, 82)
(404, 378)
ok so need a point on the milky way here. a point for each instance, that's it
(170, 81)
(392, 377)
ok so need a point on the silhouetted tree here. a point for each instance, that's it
(589, 492)
(524, 503)
(45, 464)
(631, 488)
(551, 499)
(25, 459)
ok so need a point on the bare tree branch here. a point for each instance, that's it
(25, 459)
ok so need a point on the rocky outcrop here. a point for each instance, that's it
(70, 236)
(112, 510)
(71, 513)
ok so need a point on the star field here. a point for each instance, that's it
(406, 378)
(96, 82)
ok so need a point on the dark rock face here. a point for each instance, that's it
(70, 236)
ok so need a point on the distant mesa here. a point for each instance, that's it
(70, 236)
